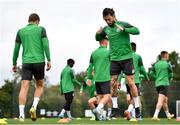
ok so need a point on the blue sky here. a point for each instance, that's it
(71, 26)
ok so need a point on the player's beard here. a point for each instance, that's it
(112, 24)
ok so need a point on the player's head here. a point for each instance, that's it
(133, 45)
(109, 16)
(34, 18)
(70, 62)
(164, 55)
(104, 42)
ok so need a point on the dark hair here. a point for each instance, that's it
(108, 11)
(133, 45)
(33, 17)
(103, 38)
(163, 53)
(70, 62)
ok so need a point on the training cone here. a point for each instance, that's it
(2, 121)
(43, 118)
(64, 120)
(178, 119)
(78, 118)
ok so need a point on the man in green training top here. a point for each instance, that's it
(121, 54)
(162, 73)
(139, 69)
(35, 43)
(101, 63)
(67, 81)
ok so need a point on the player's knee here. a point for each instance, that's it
(130, 79)
(70, 101)
(114, 79)
(40, 83)
(131, 84)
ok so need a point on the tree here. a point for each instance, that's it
(174, 59)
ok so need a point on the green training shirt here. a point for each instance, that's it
(34, 42)
(67, 80)
(119, 41)
(138, 68)
(91, 89)
(101, 63)
(162, 72)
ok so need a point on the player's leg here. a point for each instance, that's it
(166, 109)
(130, 103)
(22, 99)
(109, 105)
(165, 104)
(139, 96)
(26, 77)
(128, 69)
(159, 104)
(133, 90)
(69, 99)
(114, 93)
(103, 90)
(93, 102)
(63, 111)
(38, 72)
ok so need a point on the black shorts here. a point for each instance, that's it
(103, 87)
(125, 66)
(33, 69)
(129, 92)
(162, 90)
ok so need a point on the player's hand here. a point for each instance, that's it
(48, 66)
(14, 68)
(89, 82)
(119, 27)
(99, 31)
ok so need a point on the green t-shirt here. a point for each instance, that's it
(91, 89)
(138, 68)
(162, 72)
(67, 80)
(34, 42)
(101, 63)
(119, 41)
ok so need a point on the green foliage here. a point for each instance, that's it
(175, 62)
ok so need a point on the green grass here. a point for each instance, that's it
(87, 121)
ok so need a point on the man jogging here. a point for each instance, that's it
(162, 73)
(100, 62)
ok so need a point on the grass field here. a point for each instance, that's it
(87, 121)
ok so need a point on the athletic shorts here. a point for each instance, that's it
(103, 87)
(125, 66)
(162, 90)
(129, 92)
(33, 69)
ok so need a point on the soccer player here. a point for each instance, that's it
(35, 43)
(101, 63)
(162, 72)
(139, 69)
(121, 54)
(67, 81)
